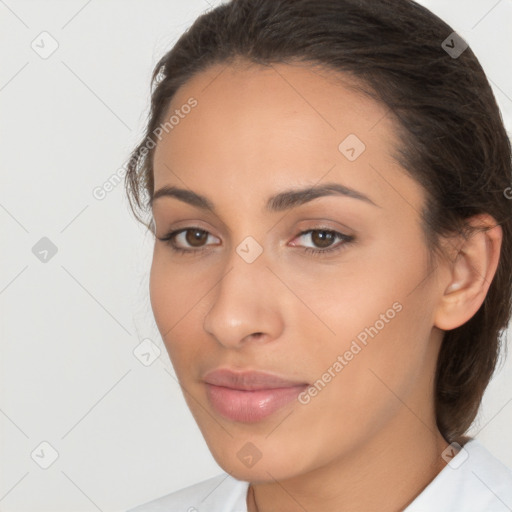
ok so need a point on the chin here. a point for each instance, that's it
(244, 461)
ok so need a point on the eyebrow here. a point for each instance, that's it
(277, 203)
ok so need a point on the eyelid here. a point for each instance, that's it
(326, 224)
(188, 224)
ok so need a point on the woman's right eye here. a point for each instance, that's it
(193, 236)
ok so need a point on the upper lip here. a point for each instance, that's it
(248, 380)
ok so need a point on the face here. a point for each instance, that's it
(330, 291)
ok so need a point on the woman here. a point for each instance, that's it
(332, 266)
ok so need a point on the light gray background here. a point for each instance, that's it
(69, 326)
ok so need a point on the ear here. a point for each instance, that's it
(470, 272)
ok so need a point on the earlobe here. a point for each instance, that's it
(470, 273)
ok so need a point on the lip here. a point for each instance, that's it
(249, 396)
(248, 380)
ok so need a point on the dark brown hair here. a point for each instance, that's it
(453, 141)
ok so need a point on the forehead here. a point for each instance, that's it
(263, 128)
(305, 97)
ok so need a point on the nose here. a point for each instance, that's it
(245, 304)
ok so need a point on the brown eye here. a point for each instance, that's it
(187, 240)
(322, 241)
(195, 237)
(323, 238)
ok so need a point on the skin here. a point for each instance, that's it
(368, 440)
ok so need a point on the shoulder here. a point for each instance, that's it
(473, 481)
(222, 493)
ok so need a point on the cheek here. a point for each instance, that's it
(378, 307)
(178, 308)
(167, 302)
(159, 293)
(173, 291)
(351, 294)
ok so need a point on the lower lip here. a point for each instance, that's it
(250, 406)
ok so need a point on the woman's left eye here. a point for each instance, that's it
(324, 238)
(194, 236)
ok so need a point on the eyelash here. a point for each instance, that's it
(314, 252)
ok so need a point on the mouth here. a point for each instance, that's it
(249, 396)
